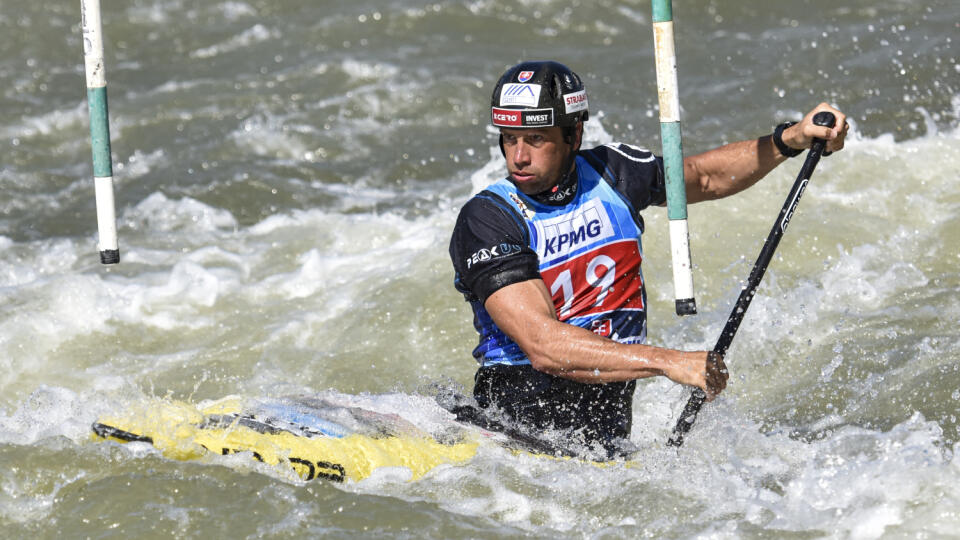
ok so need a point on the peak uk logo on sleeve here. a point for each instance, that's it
(563, 235)
(492, 252)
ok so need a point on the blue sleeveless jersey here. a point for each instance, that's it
(589, 253)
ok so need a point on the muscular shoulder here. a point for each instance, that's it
(622, 155)
(633, 171)
(489, 247)
(486, 218)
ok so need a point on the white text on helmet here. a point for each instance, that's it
(506, 117)
(527, 95)
(574, 102)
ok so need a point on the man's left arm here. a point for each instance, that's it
(736, 166)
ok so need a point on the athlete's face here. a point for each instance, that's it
(535, 157)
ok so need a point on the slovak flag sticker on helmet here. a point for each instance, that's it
(526, 95)
(524, 76)
(574, 102)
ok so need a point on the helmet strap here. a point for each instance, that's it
(570, 136)
(566, 186)
(568, 167)
(573, 135)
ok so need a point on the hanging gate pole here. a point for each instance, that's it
(667, 89)
(99, 130)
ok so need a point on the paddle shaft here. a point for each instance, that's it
(698, 397)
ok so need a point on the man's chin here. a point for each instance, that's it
(529, 185)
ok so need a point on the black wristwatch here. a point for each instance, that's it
(782, 146)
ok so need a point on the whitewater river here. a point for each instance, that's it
(287, 177)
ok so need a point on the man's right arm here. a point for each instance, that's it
(509, 285)
(525, 312)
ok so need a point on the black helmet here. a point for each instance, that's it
(538, 94)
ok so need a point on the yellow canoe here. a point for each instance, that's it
(314, 437)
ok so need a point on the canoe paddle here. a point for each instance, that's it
(697, 398)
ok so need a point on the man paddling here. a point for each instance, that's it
(549, 258)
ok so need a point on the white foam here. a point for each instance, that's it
(265, 135)
(157, 213)
(292, 284)
(234, 11)
(377, 71)
(47, 123)
(856, 281)
(255, 34)
(139, 164)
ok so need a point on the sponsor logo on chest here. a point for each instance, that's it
(563, 235)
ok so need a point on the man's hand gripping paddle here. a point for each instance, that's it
(689, 416)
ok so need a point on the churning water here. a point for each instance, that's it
(288, 174)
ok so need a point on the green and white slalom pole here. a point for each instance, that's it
(99, 130)
(667, 89)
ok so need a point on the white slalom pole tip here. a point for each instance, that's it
(682, 268)
(680, 251)
(106, 219)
